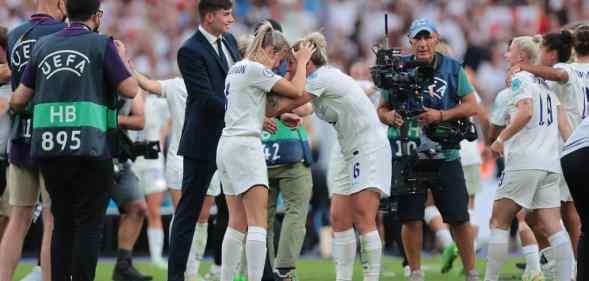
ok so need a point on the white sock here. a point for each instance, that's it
(563, 255)
(344, 253)
(371, 247)
(197, 250)
(532, 255)
(475, 241)
(430, 213)
(255, 252)
(155, 238)
(232, 244)
(498, 250)
(243, 264)
(445, 237)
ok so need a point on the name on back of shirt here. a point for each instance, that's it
(582, 74)
(238, 69)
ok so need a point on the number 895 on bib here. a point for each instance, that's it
(61, 140)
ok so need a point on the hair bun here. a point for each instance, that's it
(537, 39)
(317, 39)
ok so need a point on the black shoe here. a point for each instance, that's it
(125, 271)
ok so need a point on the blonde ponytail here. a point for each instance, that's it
(266, 36)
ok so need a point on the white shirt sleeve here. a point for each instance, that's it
(314, 86)
(499, 113)
(262, 77)
(569, 70)
(521, 87)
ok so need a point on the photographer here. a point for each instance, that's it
(128, 194)
(74, 113)
(450, 97)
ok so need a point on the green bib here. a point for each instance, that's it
(286, 145)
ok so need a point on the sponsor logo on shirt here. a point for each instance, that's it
(438, 88)
(64, 60)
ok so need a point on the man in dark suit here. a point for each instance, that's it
(204, 60)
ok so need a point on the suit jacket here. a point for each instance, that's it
(204, 77)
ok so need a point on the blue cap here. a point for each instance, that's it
(421, 25)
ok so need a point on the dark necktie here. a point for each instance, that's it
(222, 54)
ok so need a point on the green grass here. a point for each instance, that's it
(320, 270)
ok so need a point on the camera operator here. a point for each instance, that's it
(70, 79)
(449, 98)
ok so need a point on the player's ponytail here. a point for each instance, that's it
(265, 37)
(317, 41)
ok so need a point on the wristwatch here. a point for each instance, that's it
(499, 140)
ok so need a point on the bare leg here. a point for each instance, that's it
(46, 243)
(12, 242)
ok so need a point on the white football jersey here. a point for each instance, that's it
(573, 93)
(536, 146)
(341, 102)
(499, 114)
(579, 139)
(246, 86)
(174, 90)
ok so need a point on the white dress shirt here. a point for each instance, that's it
(213, 40)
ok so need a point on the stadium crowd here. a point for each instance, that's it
(477, 30)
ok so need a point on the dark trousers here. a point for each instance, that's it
(79, 189)
(195, 182)
(221, 222)
(575, 173)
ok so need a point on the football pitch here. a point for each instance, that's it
(321, 270)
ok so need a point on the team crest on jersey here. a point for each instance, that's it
(516, 85)
(268, 73)
(438, 88)
(21, 54)
(64, 60)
